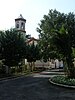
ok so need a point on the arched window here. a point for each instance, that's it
(17, 25)
(22, 25)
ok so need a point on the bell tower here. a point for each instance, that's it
(20, 23)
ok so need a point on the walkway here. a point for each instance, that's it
(49, 73)
(34, 87)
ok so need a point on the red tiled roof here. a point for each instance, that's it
(32, 39)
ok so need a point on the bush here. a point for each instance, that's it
(19, 69)
(12, 70)
(63, 80)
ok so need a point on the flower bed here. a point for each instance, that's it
(63, 80)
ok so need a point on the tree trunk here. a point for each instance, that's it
(33, 67)
(71, 68)
(30, 66)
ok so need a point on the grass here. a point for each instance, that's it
(63, 80)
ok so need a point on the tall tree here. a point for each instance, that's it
(13, 47)
(32, 54)
(50, 22)
(57, 31)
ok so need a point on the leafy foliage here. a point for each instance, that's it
(57, 36)
(32, 52)
(63, 80)
(13, 47)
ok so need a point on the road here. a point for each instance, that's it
(33, 88)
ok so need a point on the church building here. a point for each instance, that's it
(20, 24)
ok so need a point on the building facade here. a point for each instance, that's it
(20, 25)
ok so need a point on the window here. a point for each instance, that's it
(17, 25)
(22, 25)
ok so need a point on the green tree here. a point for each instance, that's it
(32, 54)
(50, 22)
(57, 31)
(13, 47)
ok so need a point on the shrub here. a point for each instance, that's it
(63, 80)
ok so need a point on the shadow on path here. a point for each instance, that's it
(33, 88)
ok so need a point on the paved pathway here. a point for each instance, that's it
(34, 88)
(49, 73)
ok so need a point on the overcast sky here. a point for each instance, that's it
(32, 11)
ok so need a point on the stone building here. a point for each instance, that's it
(20, 25)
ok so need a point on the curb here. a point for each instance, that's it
(52, 73)
(11, 77)
(61, 85)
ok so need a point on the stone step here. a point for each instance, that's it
(52, 73)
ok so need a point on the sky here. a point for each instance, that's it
(32, 10)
